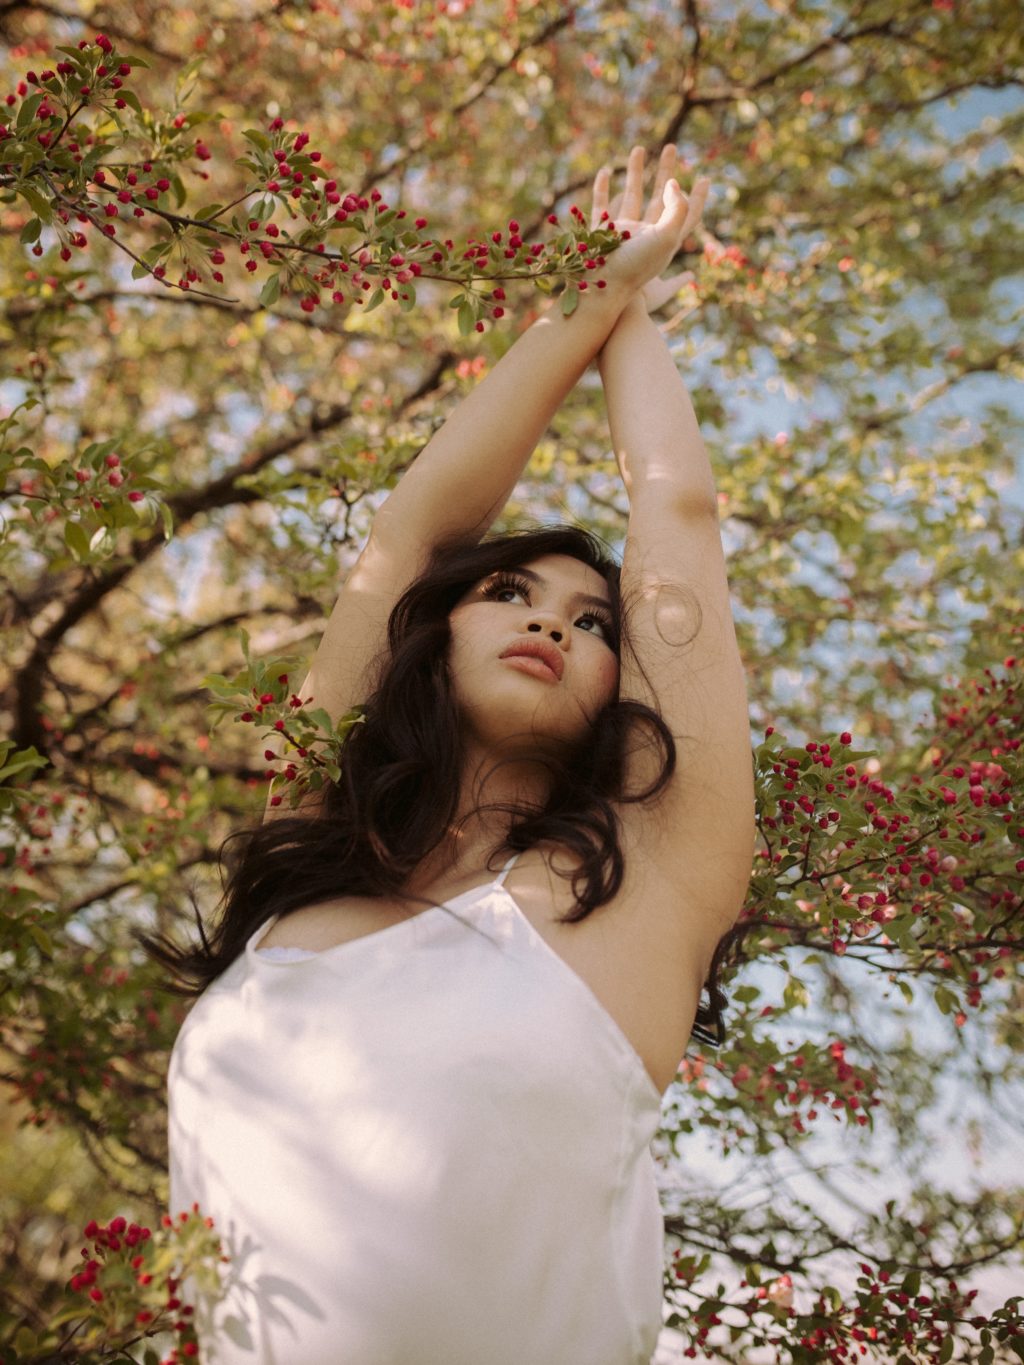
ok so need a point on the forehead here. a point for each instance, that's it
(565, 572)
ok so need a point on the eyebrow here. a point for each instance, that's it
(575, 597)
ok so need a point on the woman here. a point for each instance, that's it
(424, 1134)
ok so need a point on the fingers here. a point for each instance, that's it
(666, 165)
(633, 194)
(601, 182)
(695, 207)
(681, 281)
(629, 204)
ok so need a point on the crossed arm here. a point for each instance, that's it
(463, 477)
(466, 473)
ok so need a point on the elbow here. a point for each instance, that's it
(685, 502)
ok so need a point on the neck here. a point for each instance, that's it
(472, 841)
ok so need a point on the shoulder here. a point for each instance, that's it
(634, 953)
(647, 903)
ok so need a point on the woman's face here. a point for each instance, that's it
(560, 609)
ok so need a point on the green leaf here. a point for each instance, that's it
(168, 520)
(30, 232)
(25, 1340)
(264, 209)
(318, 717)
(257, 138)
(187, 73)
(946, 1351)
(375, 300)
(271, 291)
(467, 319)
(38, 201)
(27, 112)
(796, 994)
(945, 1000)
(42, 939)
(570, 301)
(25, 760)
(76, 539)
(102, 541)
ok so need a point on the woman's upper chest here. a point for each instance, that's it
(615, 950)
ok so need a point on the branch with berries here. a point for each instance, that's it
(337, 247)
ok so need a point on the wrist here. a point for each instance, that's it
(633, 312)
(610, 302)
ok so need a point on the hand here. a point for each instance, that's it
(655, 238)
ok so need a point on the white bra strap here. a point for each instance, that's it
(500, 879)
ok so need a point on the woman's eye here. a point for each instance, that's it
(498, 590)
(602, 625)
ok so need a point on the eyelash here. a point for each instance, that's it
(502, 582)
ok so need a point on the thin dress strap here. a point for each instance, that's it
(500, 879)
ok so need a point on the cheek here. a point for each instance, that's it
(607, 676)
(467, 647)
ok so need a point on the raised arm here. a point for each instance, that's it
(700, 844)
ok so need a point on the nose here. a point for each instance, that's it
(549, 622)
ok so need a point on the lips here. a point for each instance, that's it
(537, 649)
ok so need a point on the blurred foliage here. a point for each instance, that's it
(185, 472)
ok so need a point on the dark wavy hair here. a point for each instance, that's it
(397, 795)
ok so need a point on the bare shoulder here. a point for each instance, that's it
(329, 923)
(634, 952)
(650, 893)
